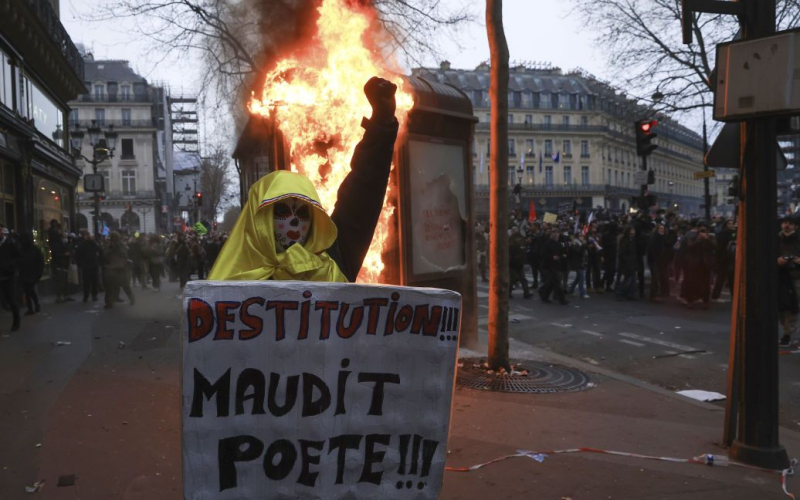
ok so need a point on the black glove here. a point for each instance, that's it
(380, 94)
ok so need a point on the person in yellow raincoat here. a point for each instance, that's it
(284, 233)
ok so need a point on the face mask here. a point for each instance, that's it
(292, 223)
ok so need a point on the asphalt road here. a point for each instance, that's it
(664, 344)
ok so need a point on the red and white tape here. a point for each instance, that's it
(539, 456)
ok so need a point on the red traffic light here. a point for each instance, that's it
(646, 126)
(199, 194)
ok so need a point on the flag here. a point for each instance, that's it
(557, 157)
(200, 229)
(531, 211)
(540, 163)
(481, 161)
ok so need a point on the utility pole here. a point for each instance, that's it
(756, 316)
(706, 180)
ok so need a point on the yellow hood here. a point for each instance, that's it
(249, 253)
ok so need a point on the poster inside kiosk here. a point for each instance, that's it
(316, 390)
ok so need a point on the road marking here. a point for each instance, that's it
(657, 342)
(483, 306)
(562, 325)
(589, 332)
(631, 342)
(483, 295)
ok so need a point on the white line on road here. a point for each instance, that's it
(483, 306)
(657, 342)
(589, 332)
(483, 295)
(562, 325)
(631, 342)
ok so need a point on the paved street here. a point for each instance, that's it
(109, 412)
(643, 340)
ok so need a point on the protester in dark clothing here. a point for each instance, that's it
(697, 264)
(155, 256)
(609, 244)
(116, 268)
(643, 225)
(594, 282)
(179, 255)
(578, 261)
(627, 256)
(725, 239)
(60, 260)
(31, 268)
(553, 254)
(657, 261)
(212, 248)
(516, 262)
(788, 273)
(198, 258)
(138, 264)
(480, 248)
(10, 256)
(88, 256)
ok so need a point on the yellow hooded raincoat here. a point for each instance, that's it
(249, 253)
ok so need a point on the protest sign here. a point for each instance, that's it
(550, 218)
(316, 390)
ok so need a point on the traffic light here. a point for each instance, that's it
(651, 176)
(645, 133)
(199, 196)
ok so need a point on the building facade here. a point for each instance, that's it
(571, 142)
(40, 71)
(118, 96)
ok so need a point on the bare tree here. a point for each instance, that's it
(643, 43)
(236, 39)
(498, 202)
(215, 180)
(230, 218)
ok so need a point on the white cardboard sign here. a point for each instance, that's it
(316, 390)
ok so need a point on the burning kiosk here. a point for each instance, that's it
(430, 240)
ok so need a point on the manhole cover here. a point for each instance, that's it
(542, 378)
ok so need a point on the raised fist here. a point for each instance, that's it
(380, 94)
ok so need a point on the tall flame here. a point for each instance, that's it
(316, 97)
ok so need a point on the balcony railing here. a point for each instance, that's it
(550, 127)
(115, 98)
(52, 25)
(117, 123)
(120, 195)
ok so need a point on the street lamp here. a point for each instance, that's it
(99, 155)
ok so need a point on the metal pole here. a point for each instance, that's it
(96, 217)
(756, 323)
(707, 195)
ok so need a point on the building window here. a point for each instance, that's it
(106, 179)
(629, 179)
(616, 177)
(528, 119)
(512, 147)
(548, 148)
(129, 182)
(100, 116)
(568, 148)
(584, 149)
(544, 101)
(529, 147)
(548, 176)
(530, 174)
(565, 121)
(126, 117)
(608, 180)
(563, 101)
(6, 79)
(584, 121)
(125, 92)
(548, 120)
(488, 118)
(616, 155)
(568, 175)
(98, 91)
(73, 117)
(510, 118)
(527, 100)
(127, 149)
(585, 175)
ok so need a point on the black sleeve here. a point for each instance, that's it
(360, 196)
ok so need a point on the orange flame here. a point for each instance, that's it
(317, 98)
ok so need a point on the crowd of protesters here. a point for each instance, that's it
(109, 264)
(601, 253)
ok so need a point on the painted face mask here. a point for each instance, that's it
(292, 223)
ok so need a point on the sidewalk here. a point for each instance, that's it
(111, 417)
(618, 414)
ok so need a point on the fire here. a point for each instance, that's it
(316, 96)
